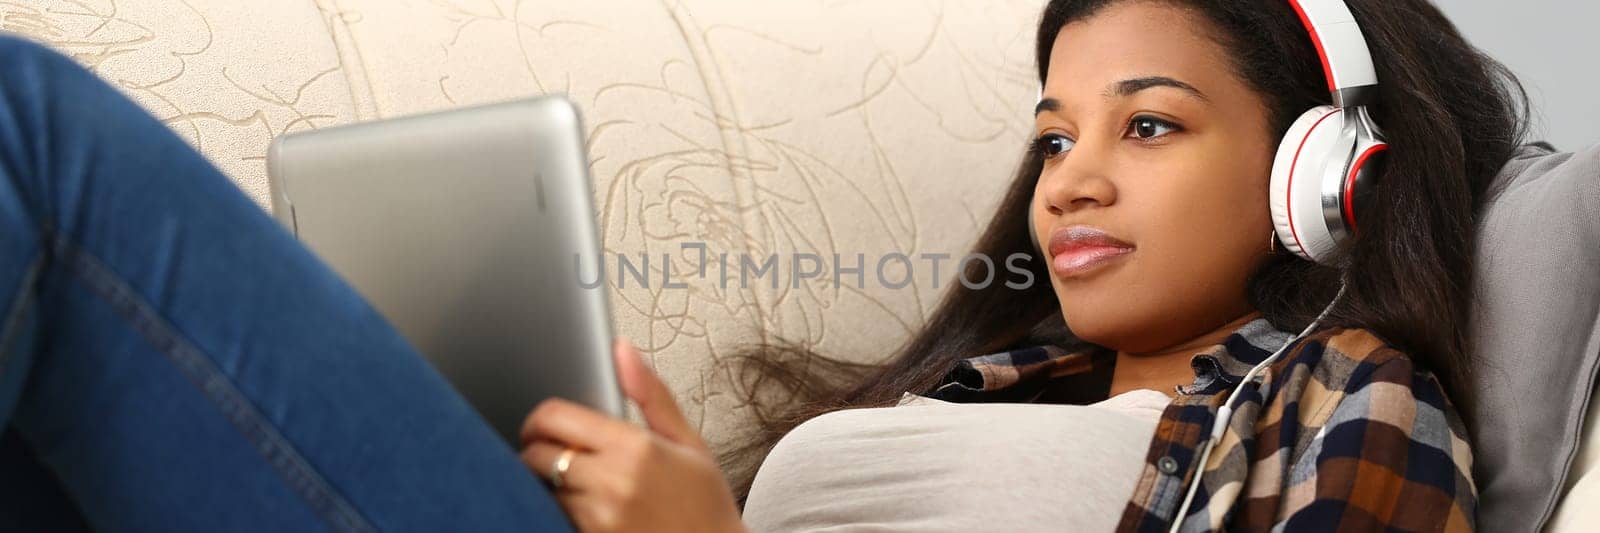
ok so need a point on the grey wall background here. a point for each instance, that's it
(1554, 47)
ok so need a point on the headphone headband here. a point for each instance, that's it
(1346, 61)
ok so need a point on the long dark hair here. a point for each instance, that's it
(1452, 115)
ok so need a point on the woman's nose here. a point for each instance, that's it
(1076, 180)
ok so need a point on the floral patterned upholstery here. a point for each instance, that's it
(755, 128)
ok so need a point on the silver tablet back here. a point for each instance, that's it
(473, 231)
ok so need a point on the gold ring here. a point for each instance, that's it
(558, 471)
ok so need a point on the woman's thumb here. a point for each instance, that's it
(655, 400)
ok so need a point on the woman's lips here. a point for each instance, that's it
(1079, 250)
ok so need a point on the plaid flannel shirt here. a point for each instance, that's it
(1343, 434)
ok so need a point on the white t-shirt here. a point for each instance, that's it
(930, 465)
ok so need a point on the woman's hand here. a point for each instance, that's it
(624, 477)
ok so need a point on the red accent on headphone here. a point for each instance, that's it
(1350, 184)
(1293, 165)
(1327, 70)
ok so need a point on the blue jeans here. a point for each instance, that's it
(172, 360)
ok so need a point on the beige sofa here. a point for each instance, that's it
(754, 127)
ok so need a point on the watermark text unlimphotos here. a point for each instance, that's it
(893, 270)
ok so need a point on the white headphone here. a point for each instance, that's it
(1324, 165)
(1325, 162)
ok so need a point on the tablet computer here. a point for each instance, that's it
(473, 231)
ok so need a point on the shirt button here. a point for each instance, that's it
(1167, 465)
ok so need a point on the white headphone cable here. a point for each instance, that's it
(1226, 411)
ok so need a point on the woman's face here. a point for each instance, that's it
(1152, 205)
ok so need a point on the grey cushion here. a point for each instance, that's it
(1536, 332)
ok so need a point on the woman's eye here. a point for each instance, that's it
(1051, 145)
(1150, 127)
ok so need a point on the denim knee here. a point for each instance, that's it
(31, 74)
(28, 68)
(53, 114)
(27, 71)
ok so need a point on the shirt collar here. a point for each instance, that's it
(1027, 374)
(1221, 366)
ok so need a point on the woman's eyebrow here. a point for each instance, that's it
(1047, 104)
(1128, 87)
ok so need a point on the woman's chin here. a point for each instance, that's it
(1097, 329)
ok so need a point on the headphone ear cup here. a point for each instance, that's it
(1298, 173)
(1363, 172)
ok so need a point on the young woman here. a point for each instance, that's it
(129, 405)
(1147, 188)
